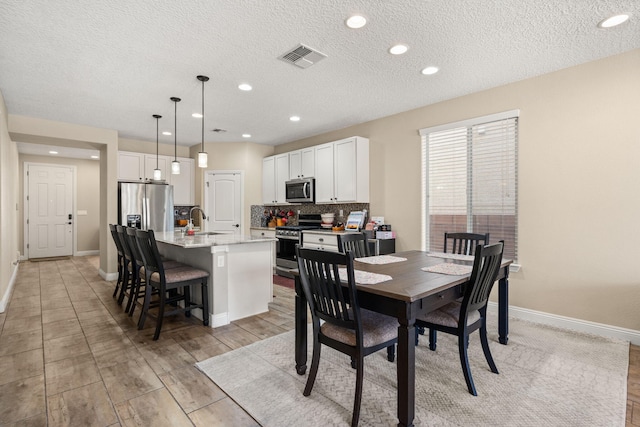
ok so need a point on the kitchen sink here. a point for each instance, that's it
(208, 233)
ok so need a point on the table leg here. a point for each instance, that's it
(503, 308)
(301, 329)
(406, 372)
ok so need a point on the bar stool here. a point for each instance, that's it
(120, 250)
(165, 280)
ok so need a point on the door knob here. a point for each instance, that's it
(236, 225)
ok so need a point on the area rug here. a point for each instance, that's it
(548, 377)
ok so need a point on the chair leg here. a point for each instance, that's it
(315, 361)
(136, 295)
(186, 292)
(464, 361)
(145, 304)
(205, 303)
(133, 292)
(433, 338)
(125, 284)
(485, 348)
(163, 296)
(391, 353)
(119, 281)
(358, 398)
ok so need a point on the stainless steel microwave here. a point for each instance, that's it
(301, 190)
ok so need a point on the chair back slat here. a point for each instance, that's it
(464, 243)
(328, 298)
(149, 252)
(486, 267)
(124, 242)
(354, 242)
(116, 239)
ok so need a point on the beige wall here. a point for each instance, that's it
(87, 198)
(147, 147)
(9, 201)
(579, 151)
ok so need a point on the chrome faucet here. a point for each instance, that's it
(191, 214)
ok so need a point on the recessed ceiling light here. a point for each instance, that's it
(166, 133)
(95, 157)
(53, 152)
(356, 21)
(613, 21)
(398, 49)
(246, 135)
(294, 118)
(429, 71)
(245, 87)
(197, 115)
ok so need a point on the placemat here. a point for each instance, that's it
(380, 259)
(449, 268)
(365, 277)
(451, 256)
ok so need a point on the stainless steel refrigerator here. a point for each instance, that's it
(145, 206)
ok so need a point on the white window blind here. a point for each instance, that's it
(470, 180)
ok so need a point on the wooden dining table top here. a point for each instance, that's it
(409, 282)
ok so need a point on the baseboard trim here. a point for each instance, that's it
(219, 320)
(108, 277)
(580, 325)
(4, 303)
(87, 253)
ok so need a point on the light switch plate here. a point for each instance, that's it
(82, 213)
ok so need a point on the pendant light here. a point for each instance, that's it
(157, 173)
(202, 155)
(175, 165)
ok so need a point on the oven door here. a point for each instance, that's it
(286, 256)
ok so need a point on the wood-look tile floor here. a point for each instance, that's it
(69, 356)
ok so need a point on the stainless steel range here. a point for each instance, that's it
(288, 237)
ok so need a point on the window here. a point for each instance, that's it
(470, 176)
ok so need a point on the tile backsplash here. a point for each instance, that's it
(257, 211)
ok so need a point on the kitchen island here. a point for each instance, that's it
(240, 271)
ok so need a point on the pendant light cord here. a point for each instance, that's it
(203, 115)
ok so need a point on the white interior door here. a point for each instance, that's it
(223, 201)
(50, 210)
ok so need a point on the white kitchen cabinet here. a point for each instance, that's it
(184, 182)
(163, 162)
(320, 240)
(275, 172)
(342, 171)
(130, 166)
(302, 163)
(262, 233)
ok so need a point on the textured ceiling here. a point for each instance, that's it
(114, 63)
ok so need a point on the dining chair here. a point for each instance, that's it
(138, 286)
(461, 318)
(346, 327)
(464, 243)
(168, 280)
(120, 251)
(354, 242)
(130, 267)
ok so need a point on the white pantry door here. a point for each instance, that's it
(223, 201)
(50, 209)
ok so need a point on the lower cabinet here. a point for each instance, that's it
(323, 241)
(262, 233)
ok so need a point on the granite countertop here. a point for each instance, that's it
(206, 240)
(263, 228)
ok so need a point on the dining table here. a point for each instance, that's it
(409, 292)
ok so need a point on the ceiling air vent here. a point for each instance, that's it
(302, 56)
(218, 130)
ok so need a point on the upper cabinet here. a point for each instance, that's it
(342, 171)
(275, 172)
(139, 167)
(302, 163)
(184, 182)
(130, 166)
(163, 163)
